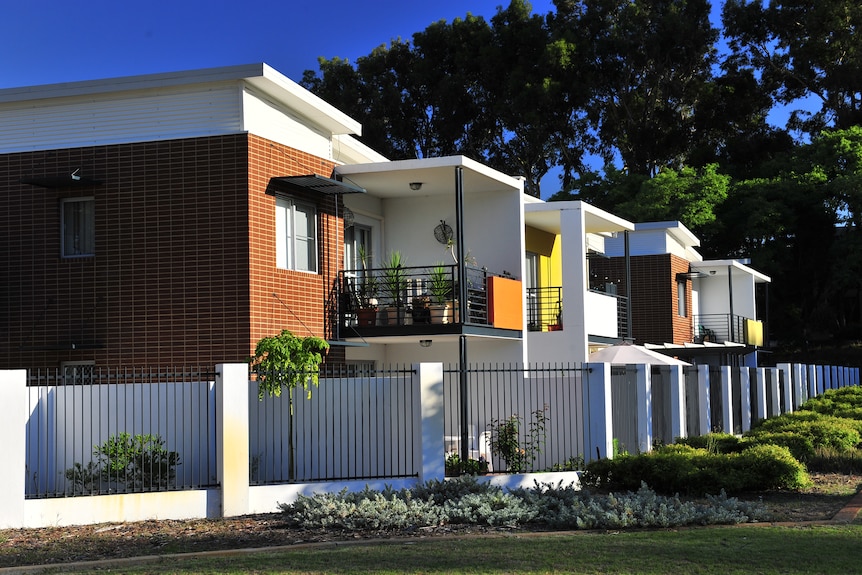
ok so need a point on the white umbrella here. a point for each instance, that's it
(629, 353)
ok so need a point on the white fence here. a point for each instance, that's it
(222, 421)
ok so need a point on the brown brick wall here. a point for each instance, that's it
(653, 306)
(173, 280)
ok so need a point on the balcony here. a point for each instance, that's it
(545, 309)
(424, 300)
(720, 328)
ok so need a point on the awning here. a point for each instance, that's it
(701, 349)
(319, 184)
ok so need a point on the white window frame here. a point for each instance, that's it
(288, 255)
(682, 299)
(73, 242)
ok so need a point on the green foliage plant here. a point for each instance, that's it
(394, 280)
(286, 361)
(506, 439)
(368, 283)
(440, 283)
(464, 500)
(683, 469)
(456, 467)
(138, 461)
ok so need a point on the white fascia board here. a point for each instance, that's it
(348, 150)
(596, 219)
(723, 264)
(675, 229)
(260, 75)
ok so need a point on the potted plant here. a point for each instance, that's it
(440, 286)
(366, 314)
(558, 326)
(394, 285)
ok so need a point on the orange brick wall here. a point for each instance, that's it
(174, 280)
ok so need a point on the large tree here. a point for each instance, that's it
(649, 65)
(803, 48)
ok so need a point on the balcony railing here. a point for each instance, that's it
(545, 308)
(407, 296)
(721, 327)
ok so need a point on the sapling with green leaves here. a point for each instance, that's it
(285, 362)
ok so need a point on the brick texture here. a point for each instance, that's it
(184, 271)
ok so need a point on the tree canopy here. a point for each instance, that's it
(675, 107)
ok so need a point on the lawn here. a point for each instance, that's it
(702, 551)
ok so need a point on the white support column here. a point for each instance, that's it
(232, 436)
(598, 423)
(775, 386)
(760, 411)
(428, 404)
(644, 407)
(575, 281)
(745, 397)
(677, 402)
(703, 407)
(13, 421)
(726, 399)
(787, 387)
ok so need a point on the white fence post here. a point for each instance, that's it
(13, 415)
(761, 411)
(745, 397)
(703, 404)
(677, 402)
(785, 369)
(643, 375)
(812, 381)
(801, 376)
(428, 405)
(598, 416)
(833, 370)
(726, 399)
(232, 437)
(775, 385)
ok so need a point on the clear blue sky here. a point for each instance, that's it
(49, 41)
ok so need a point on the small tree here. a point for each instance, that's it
(287, 361)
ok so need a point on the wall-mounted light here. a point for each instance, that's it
(425, 342)
(712, 272)
(415, 185)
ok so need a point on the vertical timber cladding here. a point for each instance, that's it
(654, 304)
(168, 283)
(301, 299)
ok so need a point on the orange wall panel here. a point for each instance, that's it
(505, 303)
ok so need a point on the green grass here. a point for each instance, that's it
(714, 551)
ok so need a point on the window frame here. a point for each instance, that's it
(287, 241)
(88, 221)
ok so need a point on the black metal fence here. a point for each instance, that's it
(99, 431)
(514, 417)
(355, 424)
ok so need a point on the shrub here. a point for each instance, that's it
(804, 431)
(684, 469)
(455, 467)
(138, 461)
(466, 501)
(713, 442)
(831, 460)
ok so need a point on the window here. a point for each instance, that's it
(682, 301)
(296, 236)
(78, 221)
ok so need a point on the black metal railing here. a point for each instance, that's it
(354, 424)
(545, 308)
(416, 295)
(513, 418)
(719, 328)
(99, 431)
